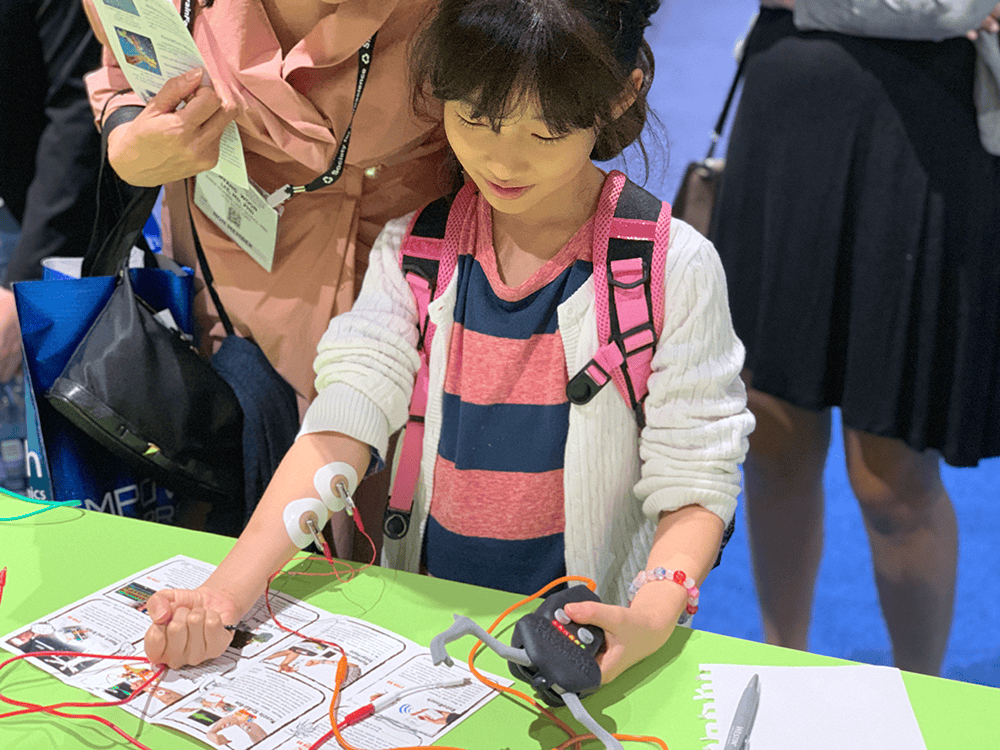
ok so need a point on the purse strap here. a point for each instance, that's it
(720, 124)
(206, 272)
(107, 256)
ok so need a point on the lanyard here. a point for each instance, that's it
(336, 168)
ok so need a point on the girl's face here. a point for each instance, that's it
(524, 170)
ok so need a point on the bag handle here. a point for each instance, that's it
(206, 272)
(108, 256)
(720, 124)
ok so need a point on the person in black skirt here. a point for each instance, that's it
(859, 227)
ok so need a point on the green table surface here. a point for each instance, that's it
(66, 554)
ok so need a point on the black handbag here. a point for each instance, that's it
(142, 391)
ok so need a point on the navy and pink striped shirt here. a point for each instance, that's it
(496, 516)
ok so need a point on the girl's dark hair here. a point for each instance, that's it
(574, 58)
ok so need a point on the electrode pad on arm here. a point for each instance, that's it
(297, 516)
(328, 477)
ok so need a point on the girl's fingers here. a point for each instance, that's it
(196, 650)
(155, 643)
(176, 639)
(217, 638)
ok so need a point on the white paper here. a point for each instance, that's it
(270, 689)
(152, 45)
(821, 708)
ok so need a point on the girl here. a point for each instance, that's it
(519, 487)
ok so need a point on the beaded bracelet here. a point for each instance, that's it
(663, 574)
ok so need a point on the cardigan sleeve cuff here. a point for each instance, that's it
(341, 408)
(720, 503)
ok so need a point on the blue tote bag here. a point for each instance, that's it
(64, 464)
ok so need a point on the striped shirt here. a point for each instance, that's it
(497, 513)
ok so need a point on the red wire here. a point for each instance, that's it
(342, 575)
(53, 710)
(352, 718)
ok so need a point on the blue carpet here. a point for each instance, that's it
(693, 44)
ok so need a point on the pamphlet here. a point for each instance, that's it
(152, 45)
(271, 689)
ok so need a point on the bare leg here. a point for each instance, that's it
(914, 542)
(784, 497)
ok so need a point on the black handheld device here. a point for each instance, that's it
(561, 651)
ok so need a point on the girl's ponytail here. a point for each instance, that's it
(620, 133)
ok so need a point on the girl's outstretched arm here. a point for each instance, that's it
(686, 539)
(365, 367)
(189, 625)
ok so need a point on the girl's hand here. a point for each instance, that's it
(175, 136)
(990, 25)
(188, 626)
(630, 633)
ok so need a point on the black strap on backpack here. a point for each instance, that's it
(632, 281)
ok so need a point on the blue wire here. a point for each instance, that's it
(49, 504)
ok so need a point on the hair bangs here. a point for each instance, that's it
(501, 58)
(569, 61)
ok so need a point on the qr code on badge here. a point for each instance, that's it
(233, 215)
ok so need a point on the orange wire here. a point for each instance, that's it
(341, 674)
(574, 739)
(626, 737)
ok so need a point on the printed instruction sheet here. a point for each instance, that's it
(152, 45)
(271, 689)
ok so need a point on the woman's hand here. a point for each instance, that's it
(175, 136)
(630, 633)
(188, 626)
(990, 25)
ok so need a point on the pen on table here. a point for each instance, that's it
(746, 712)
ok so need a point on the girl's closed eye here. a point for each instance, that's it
(471, 123)
(550, 138)
(470, 120)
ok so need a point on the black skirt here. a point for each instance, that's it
(859, 226)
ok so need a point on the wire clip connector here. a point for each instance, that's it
(303, 519)
(335, 483)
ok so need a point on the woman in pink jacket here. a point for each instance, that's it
(286, 72)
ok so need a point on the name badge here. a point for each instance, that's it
(244, 215)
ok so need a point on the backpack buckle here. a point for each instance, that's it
(587, 383)
(634, 269)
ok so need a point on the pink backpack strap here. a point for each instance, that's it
(428, 257)
(631, 234)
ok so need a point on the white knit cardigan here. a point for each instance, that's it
(616, 483)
